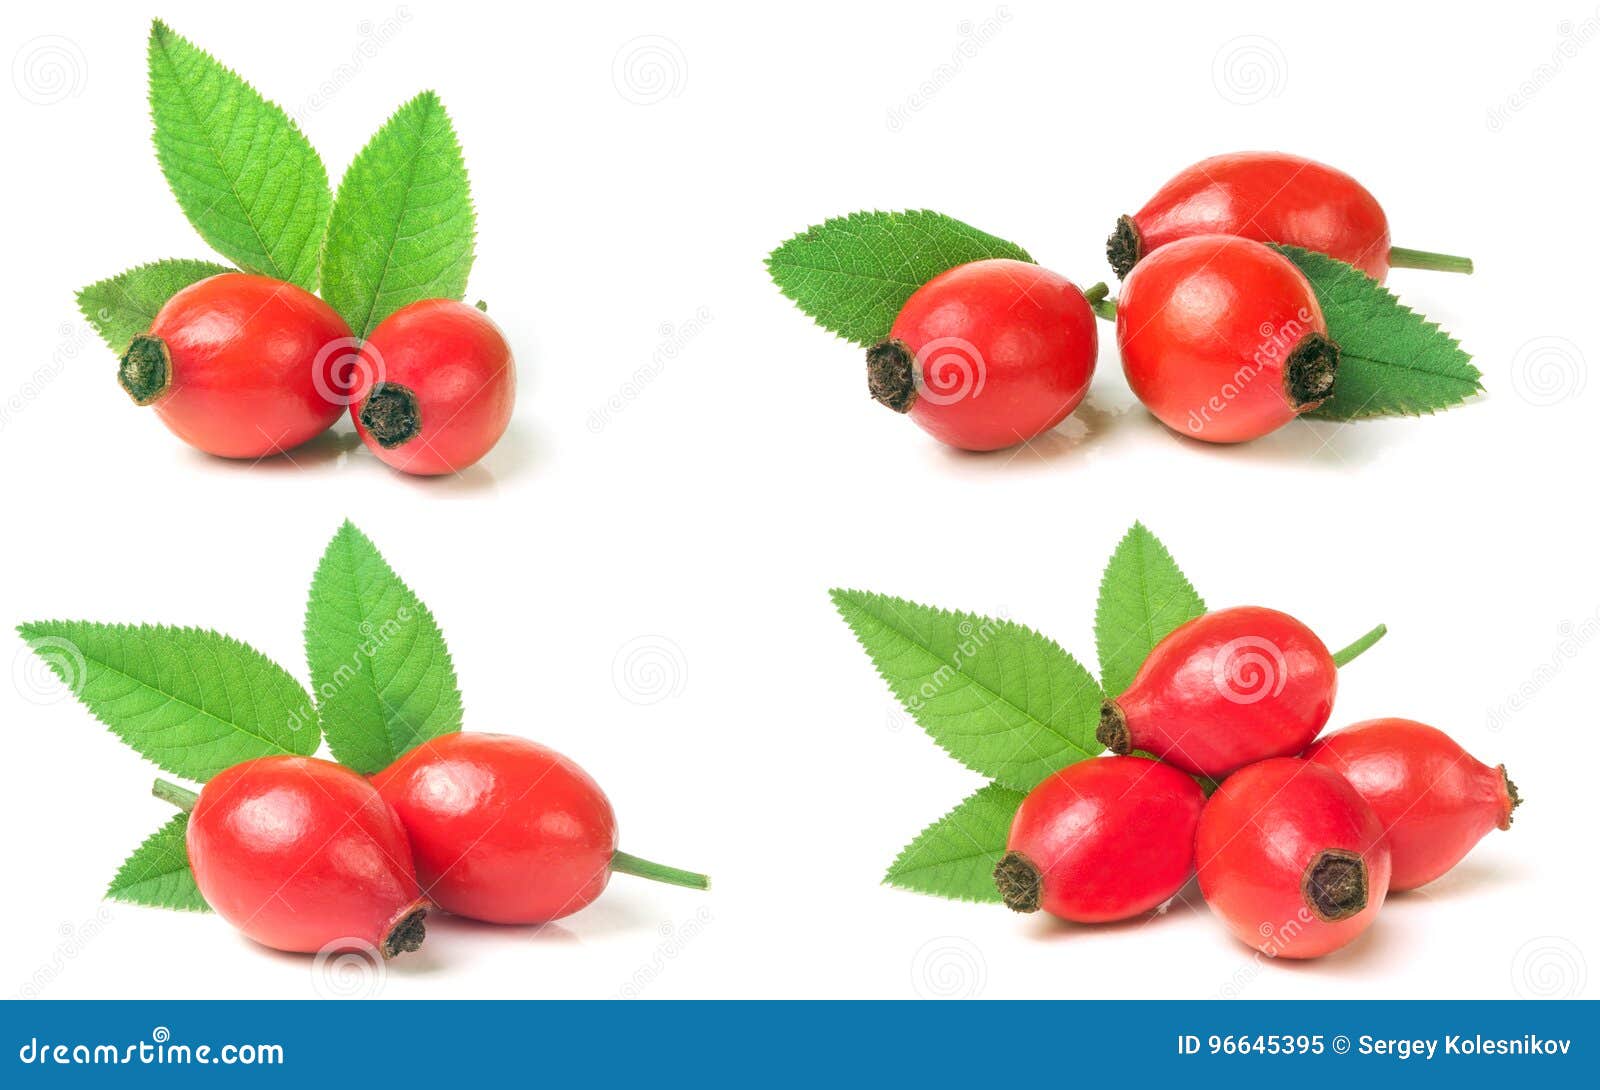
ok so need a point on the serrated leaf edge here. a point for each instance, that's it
(836, 592)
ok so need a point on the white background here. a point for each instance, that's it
(693, 464)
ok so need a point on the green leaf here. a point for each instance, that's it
(191, 701)
(158, 874)
(1392, 360)
(1143, 597)
(126, 304)
(243, 173)
(379, 664)
(1002, 699)
(956, 855)
(854, 273)
(402, 225)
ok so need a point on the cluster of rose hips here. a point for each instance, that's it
(1302, 839)
(307, 856)
(245, 366)
(1221, 336)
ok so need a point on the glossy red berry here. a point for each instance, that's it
(1103, 839)
(1291, 858)
(1269, 196)
(1225, 690)
(303, 855)
(1434, 799)
(437, 387)
(241, 366)
(987, 355)
(1223, 339)
(507, 831)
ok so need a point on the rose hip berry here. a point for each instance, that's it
(507, 831)
(987, 355)
(303, 855)
(1270, 197)
(1224, 690)
(1434, 799)
(241, 366)
(1291, 858)
(1103, 839)
(1223, 340)
(438, 387)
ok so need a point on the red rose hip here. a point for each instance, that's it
(1291, 858)
(1270, 196)
(439, 384)
(1225, 690)
(1434, 799)
(241, 366)
(1103, 839)
(987, 355)
(303, 855)
(507, 831)
(1223, 339)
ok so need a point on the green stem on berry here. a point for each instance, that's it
(181, 797)
(1402, 258)
(623, 863)
(1349, 654)
(1100, 301)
